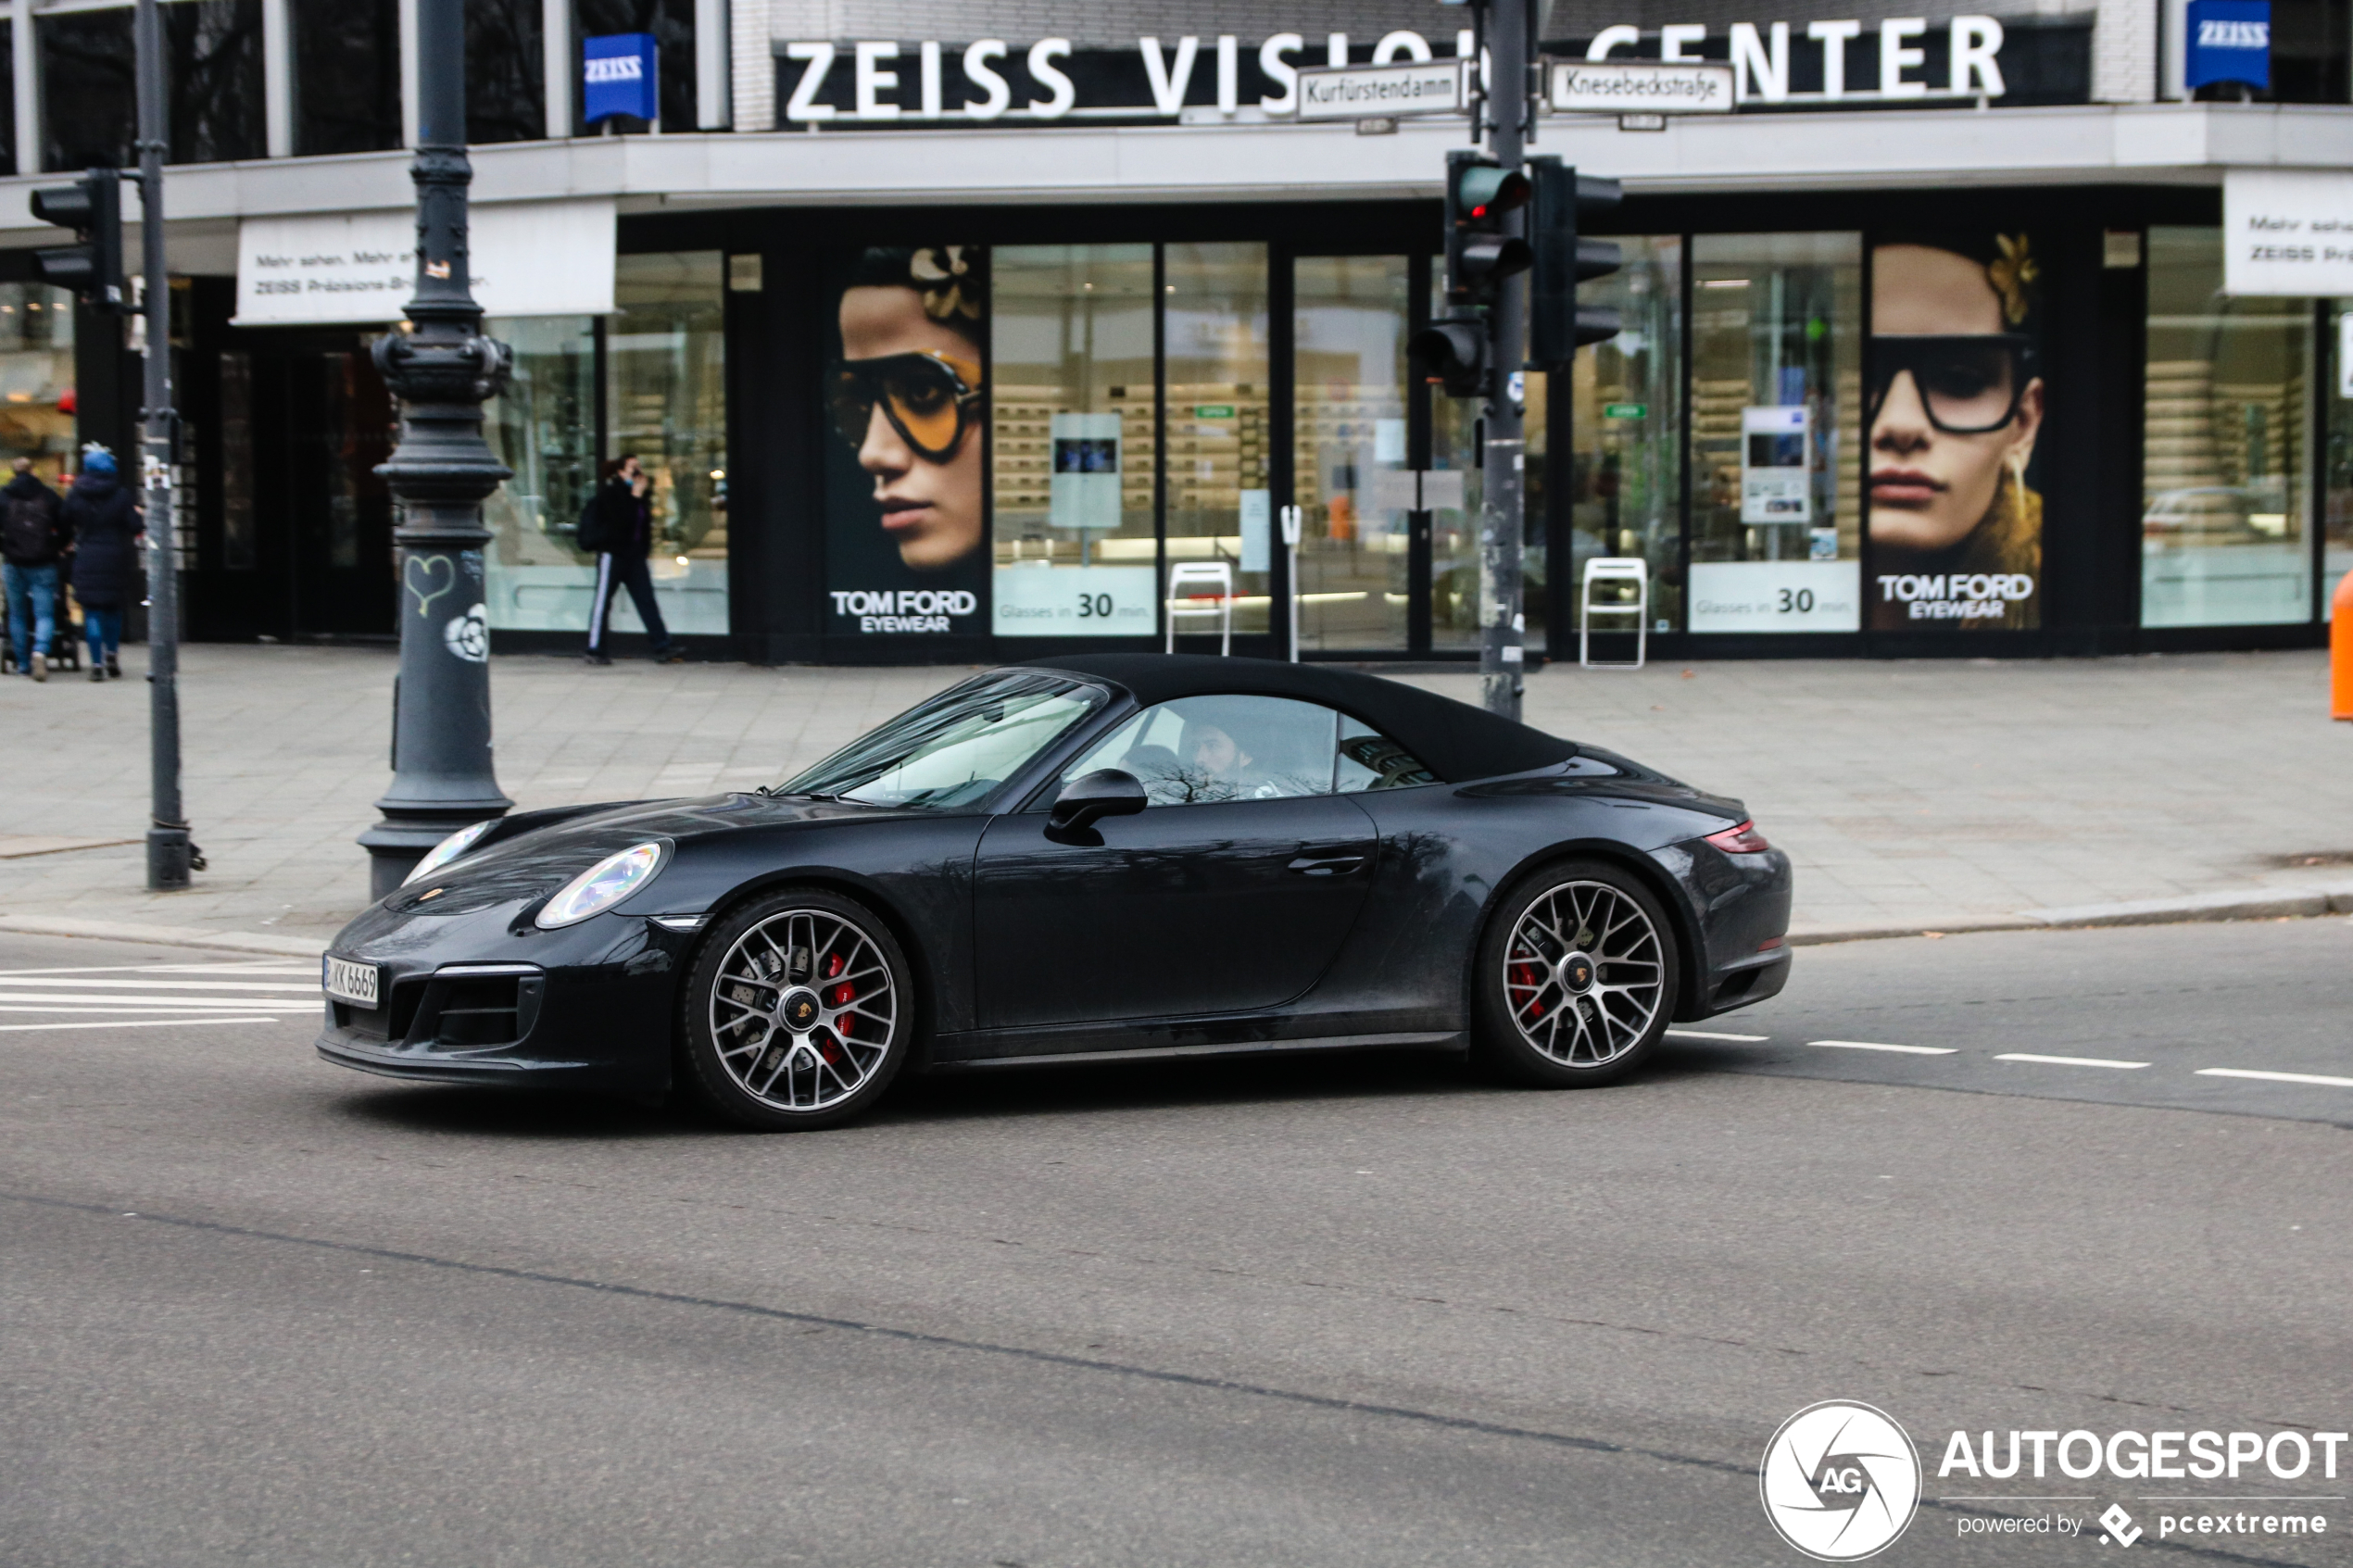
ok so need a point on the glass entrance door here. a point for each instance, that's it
(1351, 474)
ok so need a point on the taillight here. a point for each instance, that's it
(1742, 840)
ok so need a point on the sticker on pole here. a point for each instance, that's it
(1841, 1481)
(1638, 87)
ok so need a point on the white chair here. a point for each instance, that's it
(1195, 575)
(1614, 571)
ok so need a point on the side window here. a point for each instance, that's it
(1198, 750)
(1369, 759)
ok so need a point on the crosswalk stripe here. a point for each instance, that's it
(168, 1005)
(131, 1024)
(10, 983)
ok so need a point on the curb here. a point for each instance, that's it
(2303, 902)
(165, 935)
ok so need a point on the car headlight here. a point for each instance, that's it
(447, 850)
(600, 886)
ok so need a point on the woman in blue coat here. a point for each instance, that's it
(107, 575)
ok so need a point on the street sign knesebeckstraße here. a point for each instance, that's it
(527, 259)
(1409, 87)
(1640, 87)
(2287, 233)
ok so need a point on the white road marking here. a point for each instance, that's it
(155, 1004)
(2065, 1060)
(1712, 1034)
(298, 970)
(133, 1023)
(10, 983)
(2320, 1078)
(1879, 1045)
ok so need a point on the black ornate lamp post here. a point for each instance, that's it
(442, 369)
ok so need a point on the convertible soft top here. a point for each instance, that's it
(1454, 740)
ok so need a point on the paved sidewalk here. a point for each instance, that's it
(1913, 794)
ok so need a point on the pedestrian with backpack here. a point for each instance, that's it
(106, 578)
(31, 546)
(618, 524)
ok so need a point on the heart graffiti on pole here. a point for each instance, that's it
(433, 566)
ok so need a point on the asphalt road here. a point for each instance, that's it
(260, 1311)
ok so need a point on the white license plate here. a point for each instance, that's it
(353, 982)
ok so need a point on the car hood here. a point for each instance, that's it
(538, 859)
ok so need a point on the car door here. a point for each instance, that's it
(1231, 892)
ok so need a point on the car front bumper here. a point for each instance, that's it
(485, 998)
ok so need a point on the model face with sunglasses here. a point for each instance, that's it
(1956, 406)
(908, 397)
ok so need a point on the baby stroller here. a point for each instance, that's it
(65, 646)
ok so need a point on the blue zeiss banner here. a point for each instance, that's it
(2229, 41)
(620, 75)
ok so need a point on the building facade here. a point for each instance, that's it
(950, 333)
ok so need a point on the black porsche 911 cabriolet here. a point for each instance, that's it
(1103, 857)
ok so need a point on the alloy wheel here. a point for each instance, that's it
(1584, 974)
(803, 1010)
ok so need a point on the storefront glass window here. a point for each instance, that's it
(666, 402)
(2337, 550)
(672, 24)
(1352, 477)
(1627, 486)
(506, 80)
(543, 427)
(214, 48)
(36, 370)
(1074, 427)
(346, 76)
(1776, 422)
(89, 114)
(1453, 520)
(1219, 368)
(2225, 481)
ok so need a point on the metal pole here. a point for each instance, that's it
(1503, 463)
(170, 855)
(442, 369)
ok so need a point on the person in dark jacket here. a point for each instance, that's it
(31, 546)
(106, 577)
(618, 523)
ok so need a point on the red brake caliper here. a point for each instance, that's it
(840, 996)
(1530, 978)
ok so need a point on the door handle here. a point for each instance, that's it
(1326, 865)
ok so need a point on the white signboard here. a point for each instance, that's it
(1777, 596)
(1083, 490)
(1640, 87)
(527, 259)
(1075, 601)
(1258, 518)
(1355, 91)
(1776, 483)
(2288, 231)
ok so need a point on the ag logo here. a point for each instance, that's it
(1841, 1481)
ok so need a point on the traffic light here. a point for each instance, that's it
(1481, 250)
(1565, 204)
(1452, 353)
(91, 207)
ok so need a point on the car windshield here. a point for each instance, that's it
(955, 749)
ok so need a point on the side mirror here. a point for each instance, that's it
(1091, 796)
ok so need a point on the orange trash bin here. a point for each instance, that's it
(2341, 650)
